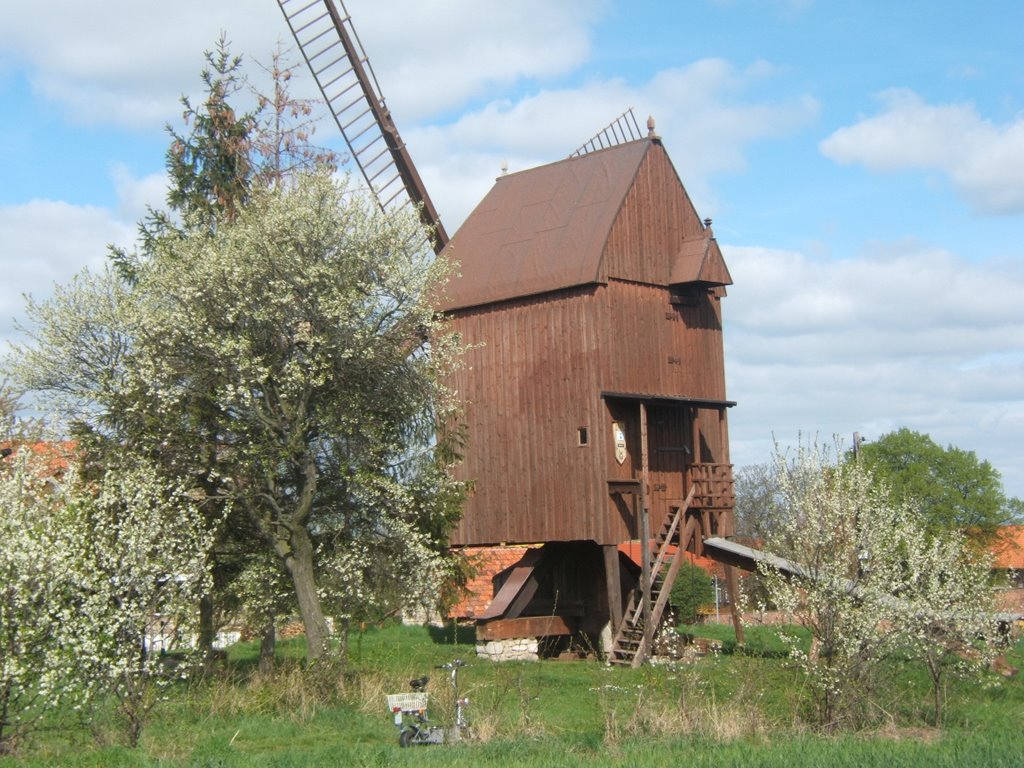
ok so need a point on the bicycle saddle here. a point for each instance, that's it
(419, 684)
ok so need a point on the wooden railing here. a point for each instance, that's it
(714, 484)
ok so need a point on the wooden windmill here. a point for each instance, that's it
(594, 390)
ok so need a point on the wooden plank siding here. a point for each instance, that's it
(529, 384)
(533, 378)
(656, 347)
(656, 216)
(542, 366)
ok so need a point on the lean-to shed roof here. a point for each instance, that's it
(543, 229)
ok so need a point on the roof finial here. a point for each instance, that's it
(650, 127)
(504, 167)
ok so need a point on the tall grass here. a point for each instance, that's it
(726, 709)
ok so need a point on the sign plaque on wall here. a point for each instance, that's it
(619, 436)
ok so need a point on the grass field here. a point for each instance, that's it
(728, 709)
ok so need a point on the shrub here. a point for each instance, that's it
(691, 589)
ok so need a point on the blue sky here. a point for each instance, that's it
(863, 163)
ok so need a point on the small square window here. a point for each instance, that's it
(581, 436)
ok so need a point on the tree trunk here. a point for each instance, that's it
(268, 644)
(935, 669)
(299, 562)
(207, 633)
(5, 698)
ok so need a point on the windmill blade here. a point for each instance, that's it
(339, 64)
(622, 129)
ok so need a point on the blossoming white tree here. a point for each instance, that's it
(96, 580)
(942, 606)
(280, 362)
(35, 663)
(137, 548)
(871, 581)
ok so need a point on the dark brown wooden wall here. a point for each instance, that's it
(535, 376)
(655, 218)
(658, 348)
(542, 363)
(529, 385)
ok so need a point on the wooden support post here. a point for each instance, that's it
(695, 435)
(723, 436)
(645, 530)
(613, 581)
(732, 589)
(727, 528)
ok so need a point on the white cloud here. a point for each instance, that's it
(905, 335)
(446, 52)
(45, 242)
(983, 160)
(697, 106)
(126, 62)
(136, 196)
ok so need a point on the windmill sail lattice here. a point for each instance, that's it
(339, 64)
(622, 129)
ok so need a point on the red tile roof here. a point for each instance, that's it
(51, 458)
(1008, 548)
(632, 550)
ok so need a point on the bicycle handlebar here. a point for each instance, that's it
(454, 664)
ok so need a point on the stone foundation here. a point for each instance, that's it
(514, 649)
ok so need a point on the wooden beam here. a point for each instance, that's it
(526, 626)
(705, 530)
(613, 582)
(695, 435)
(529, 589)
(624, 487)
(689, 534)
(723, 426)
(734, 603)
(645, 528)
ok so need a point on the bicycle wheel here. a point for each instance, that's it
(406, 736)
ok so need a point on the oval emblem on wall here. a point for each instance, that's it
(619, 435)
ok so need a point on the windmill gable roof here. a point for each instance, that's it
(542, 229)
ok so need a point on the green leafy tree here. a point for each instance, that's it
(211, 166)
(951, 487)
(691, 590)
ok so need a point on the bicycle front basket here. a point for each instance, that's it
(407, 702)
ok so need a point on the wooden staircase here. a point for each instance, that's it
(631, 644)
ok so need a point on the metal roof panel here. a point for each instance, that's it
(543, 229)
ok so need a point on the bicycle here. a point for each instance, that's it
(410, 712)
